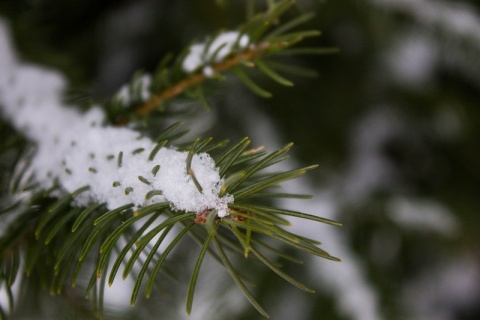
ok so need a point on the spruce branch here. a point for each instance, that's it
(249, 46)
(99, 193)
(180, 87)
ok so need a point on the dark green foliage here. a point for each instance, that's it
(62, 244)
(170, 81)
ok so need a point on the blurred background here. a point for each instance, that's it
(392, 119)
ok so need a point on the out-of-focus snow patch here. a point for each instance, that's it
(369, 170)
(422, 215)
(438, 292)
(450, 31)
(412, 60)
(457, 17)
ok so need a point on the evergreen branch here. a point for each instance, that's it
(70, 228)
(195, 79)
(201, 62)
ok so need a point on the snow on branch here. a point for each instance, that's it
(118, 164)
(202, 54)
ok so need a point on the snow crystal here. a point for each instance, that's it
(113, 161)
(201, 54)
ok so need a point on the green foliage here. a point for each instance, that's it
(267, 39)
(61, 243)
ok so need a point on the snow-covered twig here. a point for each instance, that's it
(118, 164)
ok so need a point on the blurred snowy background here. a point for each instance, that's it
(393, 120)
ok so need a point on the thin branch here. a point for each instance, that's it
(178, 88)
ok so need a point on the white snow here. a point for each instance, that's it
(202, 54)
(456, 17)
(412, 59)
(140, 90)
(78, 150)
(423, 215)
